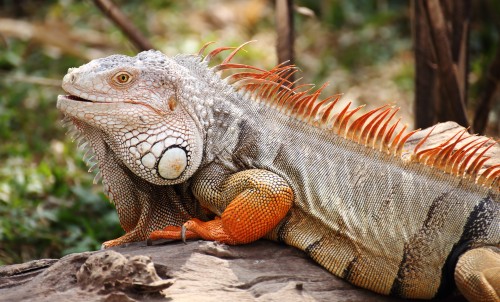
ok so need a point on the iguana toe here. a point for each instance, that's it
(173, 233)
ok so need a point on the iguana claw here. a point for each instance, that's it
(183, 233)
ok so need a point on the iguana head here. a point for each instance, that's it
(138, 105)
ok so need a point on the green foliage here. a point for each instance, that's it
(484, 43)
(48, 205)
(366, 32)
(404, 79)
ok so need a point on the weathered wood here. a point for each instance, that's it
(201, 271)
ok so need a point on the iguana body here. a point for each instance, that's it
(177, 143)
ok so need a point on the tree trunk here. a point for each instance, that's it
(441, 61)
(285, 32)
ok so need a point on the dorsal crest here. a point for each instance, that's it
(461, 155)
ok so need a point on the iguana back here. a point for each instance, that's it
(390, 225)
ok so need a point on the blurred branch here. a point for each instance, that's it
(487, 97)
(33, 80)
(56, 35)
(120, 20)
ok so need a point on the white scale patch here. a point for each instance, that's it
(172, 163)
(170, 141)
(149, 161)
(144, 147)
(157, 149)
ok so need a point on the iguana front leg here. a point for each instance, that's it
(477, 274)
(250, 203)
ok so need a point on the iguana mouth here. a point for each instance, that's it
(76, 98)
(80, 99)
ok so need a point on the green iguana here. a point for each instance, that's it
(234, 153)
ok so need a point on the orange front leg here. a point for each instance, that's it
(259, 200)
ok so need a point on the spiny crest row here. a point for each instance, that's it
(83, 144)
(375, 128)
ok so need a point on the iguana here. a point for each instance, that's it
(233, 153)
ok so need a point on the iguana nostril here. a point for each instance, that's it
(73, 78)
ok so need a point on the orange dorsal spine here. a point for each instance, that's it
(376, 128)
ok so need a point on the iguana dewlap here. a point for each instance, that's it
(253, 155)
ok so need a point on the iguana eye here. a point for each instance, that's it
(122, 78)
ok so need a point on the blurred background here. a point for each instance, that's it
(48, 204)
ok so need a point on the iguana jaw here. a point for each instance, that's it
(72, 104)
(83, 109)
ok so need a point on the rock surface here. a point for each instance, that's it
(196, 271)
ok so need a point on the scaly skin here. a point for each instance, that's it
(178, 145)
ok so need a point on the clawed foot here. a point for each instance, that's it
(195, 229)
(175, 233)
